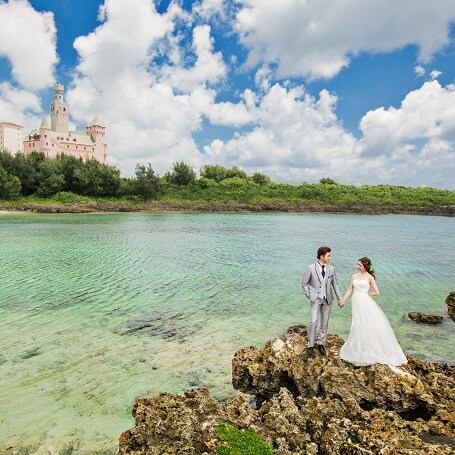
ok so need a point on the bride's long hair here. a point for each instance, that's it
(368, 266)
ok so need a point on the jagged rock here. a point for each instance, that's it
(168, 424)
(423, 318)
(308, 405)
(450, 302)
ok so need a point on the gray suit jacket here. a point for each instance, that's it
(312, 282)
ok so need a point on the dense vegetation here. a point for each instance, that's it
(67, 179)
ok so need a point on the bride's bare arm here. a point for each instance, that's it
(374, 287)
(349, 291)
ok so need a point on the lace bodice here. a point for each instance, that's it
(361, 285)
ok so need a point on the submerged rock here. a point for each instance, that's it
(307, 405)
(163, 324)
(450, 302)
(423, 318)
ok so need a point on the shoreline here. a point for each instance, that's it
(174, 206)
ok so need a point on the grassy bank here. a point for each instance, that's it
(240, 195)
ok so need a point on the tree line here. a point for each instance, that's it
(35, 174)
(70, 179)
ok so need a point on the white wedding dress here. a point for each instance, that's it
(371, 339)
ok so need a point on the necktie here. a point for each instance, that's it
(323, 271)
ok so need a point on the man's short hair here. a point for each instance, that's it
(323, 250)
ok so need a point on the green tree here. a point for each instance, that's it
(146, 183)
(182, 174)
(10, 185)
(260, 179)
(110, 178)
(235, 171)
(327, 181)
(27, 170)
(93, 178)
(7, 161)
(51, 180)
(214, 172)
(69, 165)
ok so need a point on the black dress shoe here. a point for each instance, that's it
(321, 349)
(310, 351)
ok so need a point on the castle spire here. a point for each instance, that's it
(59, 111)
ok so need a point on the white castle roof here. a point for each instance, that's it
(96, 122)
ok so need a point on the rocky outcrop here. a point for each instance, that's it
(307, 405)
(450, 302)
(169, 424)
(423, 318)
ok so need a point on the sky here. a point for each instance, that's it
(362, 92)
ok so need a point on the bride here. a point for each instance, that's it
(371, 339)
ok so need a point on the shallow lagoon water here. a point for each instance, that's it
(97, 309)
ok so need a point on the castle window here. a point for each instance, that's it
(68, 146)
(64, 109)
(45, 135)
(76, 147)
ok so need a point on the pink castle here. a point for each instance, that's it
(57, 138)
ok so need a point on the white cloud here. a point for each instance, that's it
(125, 40)
(435, 74)
(208, 68)
(28, 41)
(151, 110)
(419, 70)
(206, 9)
(317, 38)
(417, 140)
(296, 138)
(223, 113)
(19, 106)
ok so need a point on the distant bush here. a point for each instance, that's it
(146, 183)
(67, 197)
(260, 179)
(214, 172)
(327, 181)
(182, 174)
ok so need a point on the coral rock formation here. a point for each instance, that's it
(423, 318)
(450, 302)
(308, 405)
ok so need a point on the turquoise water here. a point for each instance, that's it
(98, 309)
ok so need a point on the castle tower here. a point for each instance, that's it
(96, 130)
(59, 111)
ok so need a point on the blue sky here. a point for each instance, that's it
(362, 92)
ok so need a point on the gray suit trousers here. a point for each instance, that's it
(320, 311)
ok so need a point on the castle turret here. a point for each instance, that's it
(44, 124)
(59, 111)
(96, 130)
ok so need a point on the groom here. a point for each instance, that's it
(318, 282)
